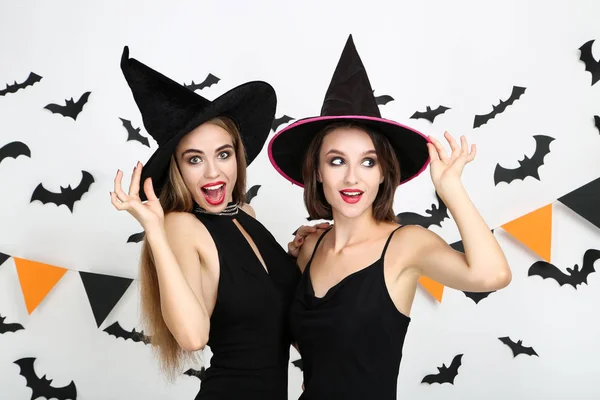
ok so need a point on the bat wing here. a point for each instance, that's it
(278, 121)
(14, 150)
(482, 119)
(547, 270)
(452, 371)
(531, 165)
(42, 194)
(517, 91)
(431, 378)
(423, 115)
(209, 81)
(31, 79)
(134, 133)
(591, 65)
(251, 193)
(200, 374)
(383, 99)
(136, 237)
(477, 296)
(412, 218)
(597, 122)
(589, 258)
(57, 109)
(298, 364)
(117, 331)
(77, 193)
(512, 345)
(77, 107)
(529, 351)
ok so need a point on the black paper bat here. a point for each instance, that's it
(136, 237)
(3, 257)
(383, 99)
(591, 65)
(527, 166)
(117, 331)
(436, 216)
(281, 120)
(67, 195)
(207, 82)
(14, 150)
(4, 327)
(517, 91)
(71, 108)
(517, 348)
(251, 193)
(597, 122)
(134, 133)
(477, 296)
(298, 364)
(31, 79)
(198, 374)
(429, 114)
(445, 374)
(42, 387)
(575, 276)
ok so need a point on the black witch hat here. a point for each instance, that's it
(348, 98)
(170, 111)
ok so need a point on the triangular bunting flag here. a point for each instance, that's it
(534, 230)
(585, 201)
(434, 288)
(104, 292)
(36, 280)
(3, 257)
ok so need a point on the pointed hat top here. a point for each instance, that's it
(350, 92)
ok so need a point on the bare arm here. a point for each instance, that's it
(178, 267)
(482, 268)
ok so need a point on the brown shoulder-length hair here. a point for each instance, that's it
(314, 197)
(175, 196)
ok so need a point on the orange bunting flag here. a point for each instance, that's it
(36, 280)
(434, 288)
(534, 230)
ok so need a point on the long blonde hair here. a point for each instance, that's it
(175, 196)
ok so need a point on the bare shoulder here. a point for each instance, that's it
(184, 229)
(307, 249)
(248, 210)
(409, 242)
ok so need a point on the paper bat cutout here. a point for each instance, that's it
(70, 109)
(517, 91)
(67, 196)
(117, 331)
(42, 387)
(198, 374)
(591, 65)
(281, 120)
(597, 122)
(445, 374)
(4, 327)
(207, 82)
(527, 166)
(429, 114)
(517, 348)
(251, 193)
(31, 79)
(136, 237)
(383, 99)
(14, 150)
(134, 133)
(575, 276)
(298, 364)
(436, 216)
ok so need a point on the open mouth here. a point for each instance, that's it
(351, 196)
(214, 193)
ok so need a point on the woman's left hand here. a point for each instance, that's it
(448, 169)
(301, 234)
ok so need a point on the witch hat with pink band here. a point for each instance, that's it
(348, 98)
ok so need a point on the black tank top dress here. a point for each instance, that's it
(350, 339)
(249, 332)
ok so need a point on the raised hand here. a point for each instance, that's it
(448, 169)
(150, 213)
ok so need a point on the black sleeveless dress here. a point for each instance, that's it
(249, 334)
(351, 339)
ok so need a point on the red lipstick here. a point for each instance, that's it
(351, 196)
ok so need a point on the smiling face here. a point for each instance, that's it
(349, 171)
(208, 165)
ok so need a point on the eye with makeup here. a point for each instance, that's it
(224, 155)
(366, 162)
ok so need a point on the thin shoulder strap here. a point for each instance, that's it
(317, 246)
(388, 241)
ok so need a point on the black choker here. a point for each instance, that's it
(231, 209)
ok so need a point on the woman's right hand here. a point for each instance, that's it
(149, 214)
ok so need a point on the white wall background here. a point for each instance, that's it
(463, 54)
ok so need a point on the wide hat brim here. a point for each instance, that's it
(170, 111)
(288, 147)
(251, 106)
